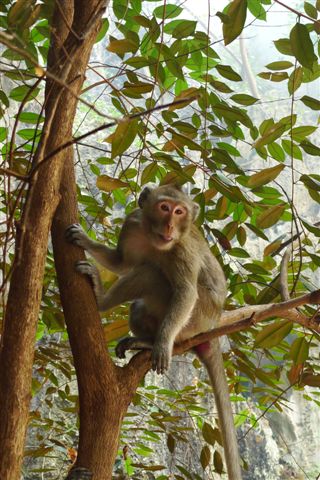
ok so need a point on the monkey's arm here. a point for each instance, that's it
(107, 257)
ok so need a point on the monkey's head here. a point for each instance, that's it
(168, 214)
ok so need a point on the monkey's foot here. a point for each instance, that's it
(74, 234)
(79, 473)
(131, 343)
(161, 357)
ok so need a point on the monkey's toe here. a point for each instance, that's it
(160, 359)
(124, 345)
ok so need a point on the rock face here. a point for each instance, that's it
(285, 445)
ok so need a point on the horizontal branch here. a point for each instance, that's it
(235, 321)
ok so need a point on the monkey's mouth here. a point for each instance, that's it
(165, 238)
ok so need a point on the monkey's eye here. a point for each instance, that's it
(179, 211)
(164, 207)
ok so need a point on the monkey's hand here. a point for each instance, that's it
(161, 356)
(75, 234)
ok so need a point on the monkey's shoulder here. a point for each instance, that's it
(133, 242)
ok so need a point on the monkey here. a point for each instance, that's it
(176, 286)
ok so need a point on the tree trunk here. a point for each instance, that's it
(17, 348)
(102, 404)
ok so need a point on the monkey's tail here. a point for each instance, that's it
(211, 356)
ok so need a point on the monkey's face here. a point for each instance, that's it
(168, 222)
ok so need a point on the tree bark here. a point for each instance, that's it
(17, 348)
(102, 397)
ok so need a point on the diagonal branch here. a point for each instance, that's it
(231, 322)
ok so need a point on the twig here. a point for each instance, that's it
(296, 12)
(6, 40)
(108, 125)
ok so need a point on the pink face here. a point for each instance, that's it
(170, 215)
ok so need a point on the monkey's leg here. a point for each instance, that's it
(79, 473)
(182, 303)
(143, 325)
(211, 356)
(107, 257)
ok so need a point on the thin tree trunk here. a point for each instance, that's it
(17, 348)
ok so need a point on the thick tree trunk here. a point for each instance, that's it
(17, 348)
(101, 392)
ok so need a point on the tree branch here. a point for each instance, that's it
(231, 322)
(296, 12)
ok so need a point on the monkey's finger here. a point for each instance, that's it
(86, 268)
(72, 230)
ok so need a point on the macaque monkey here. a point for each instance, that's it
(176, 285)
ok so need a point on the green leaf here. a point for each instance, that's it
(257, 9)
(123, 137)
(209, 433)
(270, 135)
(310, 10)
(227, 72)
(265, 176)
(184, 29)
(274, 77)
(19, 94)
(270, 216)
(312, 229)
(310, 148)
(299, 350)
(135, 90)
(300, 133)
(122, 46)
(291, 149)
(302, 46)
(311, 102)
(282, 65)
(276, 152)
(4, 99)
(273, 334)
(137, 62)
(283, 45)
(243, 99)
(171, 443)
(108, 184)
(217, 462)
(30, 117)
(29, 133)
(236, 17)
(103, 30)
(3, 133)
(295, 80)
(205, 457)
(167, 11)
(149, 173)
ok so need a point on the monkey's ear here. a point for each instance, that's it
(195, 211)
(143, 196)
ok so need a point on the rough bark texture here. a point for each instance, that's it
(17, 348)
(101, 392)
